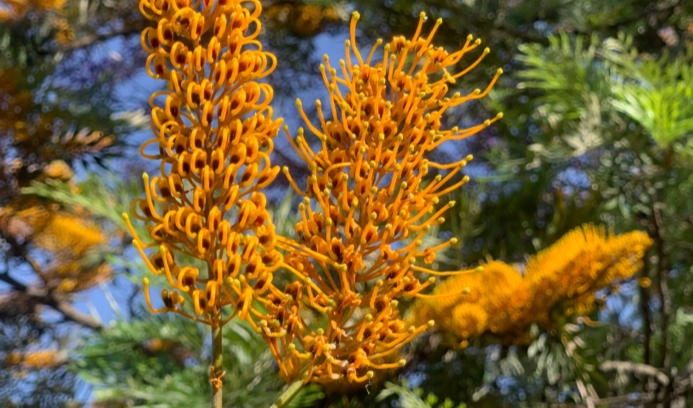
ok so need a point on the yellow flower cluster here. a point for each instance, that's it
(40, 359)
(65, 33)
(303, 19)
(212, 137)
(502, 301)
(366, 207)
(68, 237)
(65, 238)
(12, 9)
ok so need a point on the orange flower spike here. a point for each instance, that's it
(364, 197)
(212, 135)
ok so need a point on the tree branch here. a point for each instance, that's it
(635, 368)
(54, 300)
(42, 296)
(645, 311)
(663, 287)
(97, 38)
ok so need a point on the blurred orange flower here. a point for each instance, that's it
(502, 301)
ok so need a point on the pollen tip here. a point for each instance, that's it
(402, 362)
(431, 323)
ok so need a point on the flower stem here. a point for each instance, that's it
(218, 361)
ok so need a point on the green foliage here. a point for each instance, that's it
(574, 86)
(655, 93)
(148, 376)
(414, 398)
(104, 196)
(161, 361)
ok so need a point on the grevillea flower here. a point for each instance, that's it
(366, 207)
(69, 238)
(561, 279)
(213, 131)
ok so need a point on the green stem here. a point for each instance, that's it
(218, 361)
(290, 392)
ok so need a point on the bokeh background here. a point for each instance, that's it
(597, 99)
